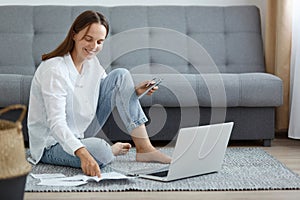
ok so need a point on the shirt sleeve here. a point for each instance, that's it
(54, 92)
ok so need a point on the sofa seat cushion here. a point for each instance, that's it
(14, 89)
(185, 90)
(215, 90)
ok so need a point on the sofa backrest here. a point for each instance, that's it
(230, 35)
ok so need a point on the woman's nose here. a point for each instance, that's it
(94, 45)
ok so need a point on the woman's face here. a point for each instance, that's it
(89, 43)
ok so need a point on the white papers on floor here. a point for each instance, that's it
(77, 180)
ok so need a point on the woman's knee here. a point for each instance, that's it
(99, 149)
(120, 71)
(121, 75)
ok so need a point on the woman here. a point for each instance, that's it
(71, 98)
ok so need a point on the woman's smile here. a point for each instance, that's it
(90, 52)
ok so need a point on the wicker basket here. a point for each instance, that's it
(12, 151)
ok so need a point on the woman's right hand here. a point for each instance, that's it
(89, 165)
(143, 86)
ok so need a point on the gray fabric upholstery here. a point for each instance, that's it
(256, 123)
(242, 90)
(16, 35)
(216, 59)
(14, 89)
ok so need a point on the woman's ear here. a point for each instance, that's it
(73, 35)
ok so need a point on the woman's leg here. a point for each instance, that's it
(144, 149)
(98, 148)
(117, 89)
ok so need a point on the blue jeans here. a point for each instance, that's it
(116, 90)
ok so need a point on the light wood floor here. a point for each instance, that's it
(285, 150)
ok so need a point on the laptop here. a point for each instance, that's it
(198, 150)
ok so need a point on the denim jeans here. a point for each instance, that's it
(116, 90)
(98, 148)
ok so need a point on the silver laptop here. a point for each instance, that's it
(198, 150)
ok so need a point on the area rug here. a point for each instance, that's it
(242, 169)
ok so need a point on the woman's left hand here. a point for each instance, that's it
(143, 86)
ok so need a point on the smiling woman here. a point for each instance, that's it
(82, 23)
(72, 97)
(88, 42)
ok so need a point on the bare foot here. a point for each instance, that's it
(120, 148)
(152, 156)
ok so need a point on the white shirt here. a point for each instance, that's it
(62, 104)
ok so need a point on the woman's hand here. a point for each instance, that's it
(89, 165)
(143, 86)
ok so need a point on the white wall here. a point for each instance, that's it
(258, 3)
(132, 2)
(261, 4)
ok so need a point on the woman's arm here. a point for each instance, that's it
(54, 90)
(88, 164)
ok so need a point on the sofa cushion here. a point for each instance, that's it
(16, 34)
(14, 89)
(223, 32)
(186, 90)
(215, 90)
(231, 35)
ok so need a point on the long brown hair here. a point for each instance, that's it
(81, 22)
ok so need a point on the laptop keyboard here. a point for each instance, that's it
(160, 174)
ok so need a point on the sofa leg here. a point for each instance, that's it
(267, 142)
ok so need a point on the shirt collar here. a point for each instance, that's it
(70, 64)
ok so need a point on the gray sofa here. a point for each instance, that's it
(211, 60)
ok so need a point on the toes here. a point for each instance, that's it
(126, 146)
(121, 148)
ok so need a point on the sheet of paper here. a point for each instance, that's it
(46, 176)
(77, 180)
(113, 176)
(57, 182)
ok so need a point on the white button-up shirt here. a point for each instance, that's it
(62, 104)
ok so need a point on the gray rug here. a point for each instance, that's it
(243, 169)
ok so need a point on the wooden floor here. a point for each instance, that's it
(285, 150)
